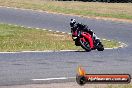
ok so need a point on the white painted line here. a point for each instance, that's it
(50, 51)
(49, 30)
(37, 51)
(53, 51)
(112, 48)
(103, 39)
(16, 25)
(8, 52)
(10, 24)
(44, 29)
(49, 79)
(29, 27)
(57, 31)
(69, 50)
(22, 26)
(9, 7)
(63, 32)
(37, 28)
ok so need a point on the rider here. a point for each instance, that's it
(81, 27)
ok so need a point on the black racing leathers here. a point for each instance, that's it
(81, 27)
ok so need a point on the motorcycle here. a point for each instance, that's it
(86, 41)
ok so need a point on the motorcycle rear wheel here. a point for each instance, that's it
(100, 47)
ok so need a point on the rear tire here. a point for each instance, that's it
(100, 47)
(85, 45)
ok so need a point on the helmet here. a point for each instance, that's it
(72, 22)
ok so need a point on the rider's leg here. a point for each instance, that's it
(95, 36)
(96, 39)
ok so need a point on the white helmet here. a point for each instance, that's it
(72, 22)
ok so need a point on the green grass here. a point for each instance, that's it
(120, 86)
(110, 44)
(14, 38)
(112, 86)
(92, 9)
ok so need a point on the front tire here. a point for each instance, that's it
(85, 45)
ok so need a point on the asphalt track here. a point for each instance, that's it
(21, 68)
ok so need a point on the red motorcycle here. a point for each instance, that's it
(86, 41)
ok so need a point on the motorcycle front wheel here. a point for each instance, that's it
(85, 45)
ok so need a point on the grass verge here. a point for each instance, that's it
(93, 9)
(119, 86)
(111, 86)
(14, 38)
